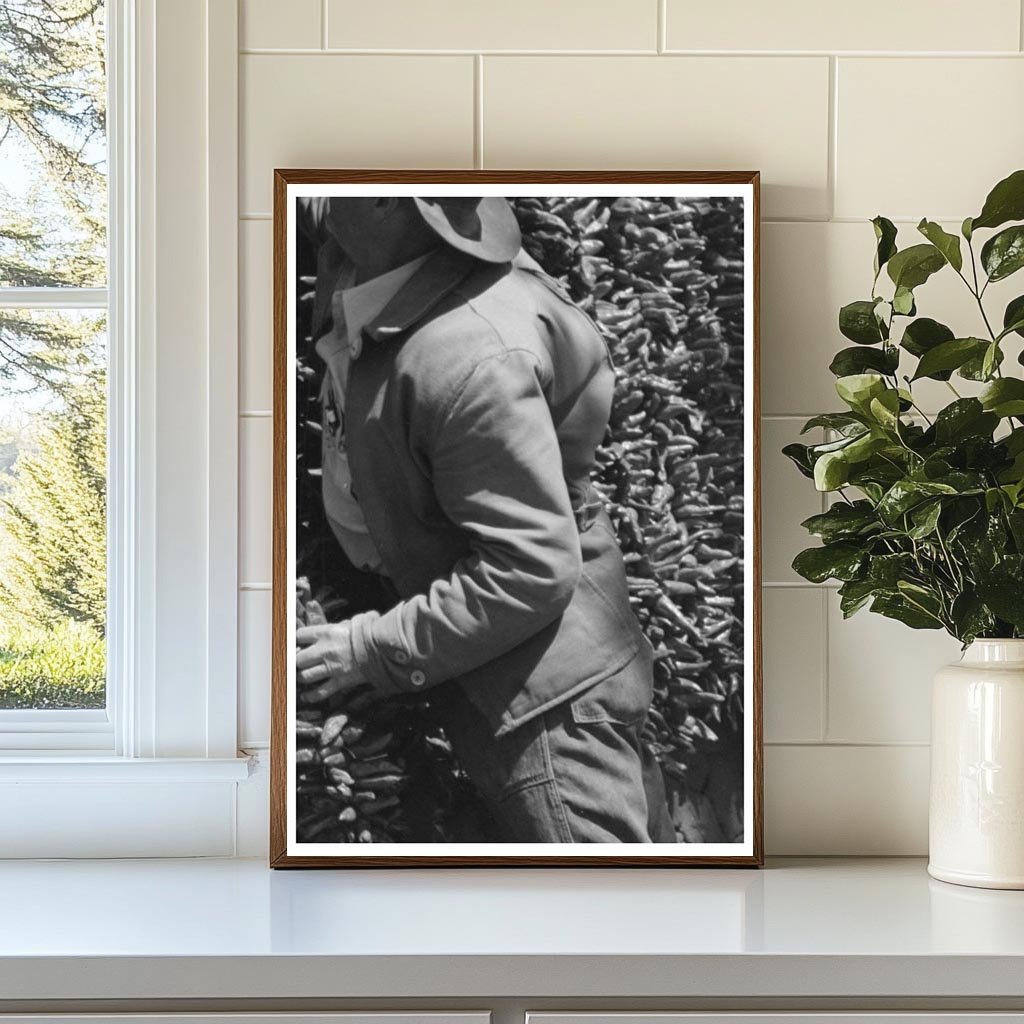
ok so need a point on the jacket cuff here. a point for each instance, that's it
(380, 653)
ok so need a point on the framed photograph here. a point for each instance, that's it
(516, 554)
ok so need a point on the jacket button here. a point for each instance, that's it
(402, 657)
(417, 678)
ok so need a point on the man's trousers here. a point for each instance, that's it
(576, 773)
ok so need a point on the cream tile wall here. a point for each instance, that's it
(906, 109)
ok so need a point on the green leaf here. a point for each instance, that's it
(906, 494)
(849, 361)
(979, 453)
(818, 450)
(833, 420)
(1005, 597)
(935, 466)
(916, 592)
(872, 491)
(963, 482)
(1004, 397)
(885, 238)
(858, 389)
(974, 368)
(981, 537)
(887, 570)
(1017, 326)
(1013, 488)
(913, 266)
(1015, 518)
(840, 561)
(1005, 202)
(800, 456)
(924, 334)
(990, 360)
(1003, 254)
(864, 446)
(921, 597)
(842, 521)
(995, 499)
(831, 471)
(950, 355)
(965, 229)
(947, 244)
(971, 618)
(1013, 475)
(1013, 317)
(854, 594)
(1014, 441)
(925, 518)
(966, 417)
(857, 321)
(878, 471)
(885, 409)
(897, 607)
(903, 302)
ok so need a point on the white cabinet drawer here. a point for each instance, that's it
(934, 1017)
(355, 1017)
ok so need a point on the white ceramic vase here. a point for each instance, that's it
(976, 817)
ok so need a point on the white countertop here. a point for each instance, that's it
(233, 928)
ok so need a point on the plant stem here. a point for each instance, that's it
(924, 415)
(953, 567)
(974, 269)
(978, 293)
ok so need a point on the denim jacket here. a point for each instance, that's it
(472, 415)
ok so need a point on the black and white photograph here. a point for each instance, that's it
(515, 552)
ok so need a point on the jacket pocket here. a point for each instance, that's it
(623, 697)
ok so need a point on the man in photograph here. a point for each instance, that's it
(463, 400)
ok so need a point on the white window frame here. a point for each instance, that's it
(168, 739)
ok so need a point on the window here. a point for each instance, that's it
(118, 260)
(53, 365)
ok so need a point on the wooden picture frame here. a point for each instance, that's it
(693, 191)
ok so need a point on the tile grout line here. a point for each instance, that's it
(851, 744)
(826, 650)
(323, 24)
(255, 215)
(662, 26)
(353, 51)
(833, 134)
(825, 723)
(478, 111)
(1020, 24)
(827, 586)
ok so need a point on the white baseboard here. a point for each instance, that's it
(252, 828)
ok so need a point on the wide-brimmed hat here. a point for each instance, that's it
(481, 226)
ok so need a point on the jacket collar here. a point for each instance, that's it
(442, 272)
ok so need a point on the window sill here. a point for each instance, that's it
(80, 767)
(64, 732)
(94, 806)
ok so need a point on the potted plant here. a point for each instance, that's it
(926, 521)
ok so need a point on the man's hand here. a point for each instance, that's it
(325, 658)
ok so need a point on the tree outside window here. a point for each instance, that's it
(53, 216)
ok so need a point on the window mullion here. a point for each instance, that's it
(53, 298)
